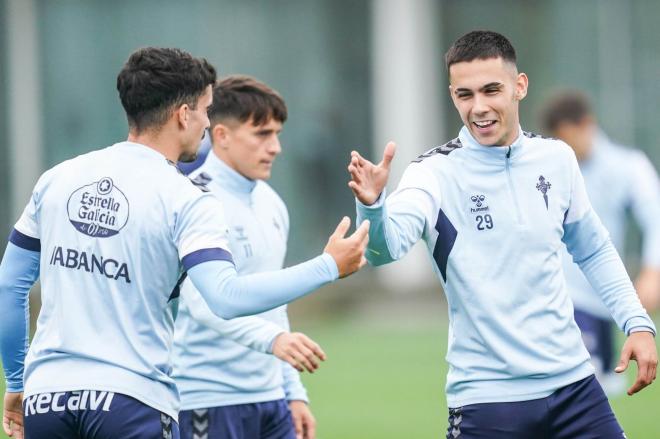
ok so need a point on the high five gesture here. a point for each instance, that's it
(368, 180)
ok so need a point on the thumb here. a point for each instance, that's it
(623, 362)
(342, 228)
(388, 155)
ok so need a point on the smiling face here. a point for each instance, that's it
(486, 93)
(247, 148)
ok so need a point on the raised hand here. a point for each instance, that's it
(348, 253)
(368, 180)
(298, 350)
(640, 346)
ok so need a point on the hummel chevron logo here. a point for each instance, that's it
(200, 421)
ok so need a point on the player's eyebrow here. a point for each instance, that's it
(491, 85)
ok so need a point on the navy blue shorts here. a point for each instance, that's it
(93, 414)
(262, 420)
(598, 337)
(579, 410)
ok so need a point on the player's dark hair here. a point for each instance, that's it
(242, 98)
(566, 106)
(480, 44)
(154, 81)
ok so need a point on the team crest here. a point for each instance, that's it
(99, 209)
(544, 185)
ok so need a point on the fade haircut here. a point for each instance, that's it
(154, 81)
(480, 44)
(241, 98)
(566, 106)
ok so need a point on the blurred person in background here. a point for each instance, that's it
(111, 234)
(230, 386)
(618, 179)
(495, 206)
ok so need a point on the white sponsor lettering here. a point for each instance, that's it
(43, 402)
(55, 406)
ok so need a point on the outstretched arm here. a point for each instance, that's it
(229, 295)
(397, 223)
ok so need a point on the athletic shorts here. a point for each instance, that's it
(262, 420)
(93, 414)
(579, 410)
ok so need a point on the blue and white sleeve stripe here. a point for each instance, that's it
(204, 255)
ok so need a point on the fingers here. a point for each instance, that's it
(313, 347)
(342, 228)
(642, 378)
(388, 155)
(310, 428)
(299, 351)
(5, 425)
(362, 232)
(298, 424)
(623, 361)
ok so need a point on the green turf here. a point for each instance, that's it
(387, 382)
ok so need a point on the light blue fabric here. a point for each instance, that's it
(619, 180)
(493, 220)
(114, 240)
(18, 272)
(225, 362)
(230, 295)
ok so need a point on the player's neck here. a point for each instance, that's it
(157, 140)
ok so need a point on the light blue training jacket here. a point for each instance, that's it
(493, 220)
(226, 362)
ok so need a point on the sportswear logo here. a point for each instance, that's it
(200, 421)
(455, 419)
(479, 203)
(89, 262)
(60, 401)
(99, 209)
(543, 185)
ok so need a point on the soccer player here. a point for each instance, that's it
(617, 179)
(229, 390)
(493, 206)
(110, 234)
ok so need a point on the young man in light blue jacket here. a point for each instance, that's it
(230, 385)
(495, 207)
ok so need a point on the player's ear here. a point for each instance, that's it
(220, 135)
(181, 115)
(522, 82)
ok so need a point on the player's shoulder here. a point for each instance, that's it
(548, 146)
(438, 153)
(69, 167)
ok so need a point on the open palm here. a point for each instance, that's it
(369, 180)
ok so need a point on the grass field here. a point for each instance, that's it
(383, 381)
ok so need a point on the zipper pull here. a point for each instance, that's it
(508, 153)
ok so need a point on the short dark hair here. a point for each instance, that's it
(564, 106)
(242, 97)
(155, 80)
(480, 44)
